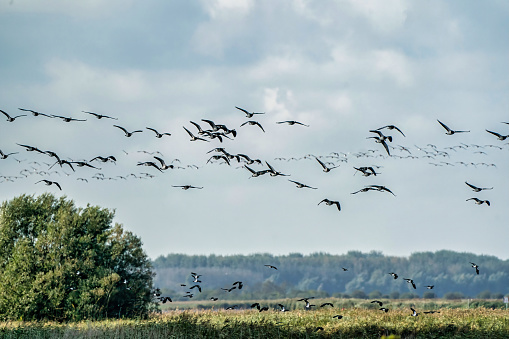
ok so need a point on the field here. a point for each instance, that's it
(319, 323)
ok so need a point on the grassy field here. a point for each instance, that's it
(356, 323)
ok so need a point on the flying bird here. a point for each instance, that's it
(325, 168)
(414, 313)
(5, 155)
(378, 302)
(479, 201)
(326, 304)
(270, 266)
(301, 185)
(450, 131)
(195, 286)
(499, 136)
(337, 316)
(158, 135)
(127, 133)
(35, 113)
(477, 189)
(410, 281)
(430, 287)
(331, 202)
(291, 122)
(193, 137)
(384, 309)
(11, 119)
(253, 123)
(391, 127)
(248, 114)
(163, 164)
(476, 267)
(99, 116)
(49, 183)
(186, 187)
(67, 119)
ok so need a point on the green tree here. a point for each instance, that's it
(59, 262)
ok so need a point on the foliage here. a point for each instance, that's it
(60, 262)
(356, 323)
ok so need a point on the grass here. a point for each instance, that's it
(356, 323)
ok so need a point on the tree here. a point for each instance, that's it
(59, 262)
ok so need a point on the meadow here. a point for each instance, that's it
(356, 322)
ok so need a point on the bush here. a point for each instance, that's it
(454, 295)
(409, 295)
(375, 295)
(394, 295)
(359, 294)
(429, 295)
(59, 262)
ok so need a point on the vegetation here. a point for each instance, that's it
(59, 262)
(322, 275)
(356, 323)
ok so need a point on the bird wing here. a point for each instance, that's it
(321, 163)
(257, 123)
(7, 115)
(243, 110)
(386, 147)
(444, 126)
(397, 129)
(122, 128)
(191, 134)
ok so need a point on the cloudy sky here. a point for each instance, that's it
(341, 67)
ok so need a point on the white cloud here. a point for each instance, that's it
(384, 16)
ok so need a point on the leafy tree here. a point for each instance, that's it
(454, 295)
(429, 295)
(359, 294)
(59, 262)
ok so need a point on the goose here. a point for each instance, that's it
(158, 135)
(429, 287)
(49, 183)
(31, 148)
(67, 119)
(105, 159)
(219, 157)
(165, 299)
(248, 159)
(273, 172)
(381, 188)
(253, 123)
(479, 201)
(11, 119)
(239, 284)
(163, 167)
(195, 286)
(414, 313)
(384, 309)
(283, 308)
(35, 113)
(476, 267)
(186, 187)
(271, 266)
(291, 122)
(195, 277)
(231, 307)
(378, 302)
(214, 298)
(331, 202)
(301, 185)
(6, 155)
(381, 140)
(257, 305)
(450, 131)
(391, 127)
(99, 116)
(366, 171)
(248, 114)
(337, 316)
(214, 127)
(410, 281)
(477, 189)
(326, 304)
(325, 168)
(127, 134)
(194, 138)
(82, 164)
(430, 312)
(365, 189)
(254, 173)
(344, 269)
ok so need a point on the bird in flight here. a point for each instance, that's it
(381, 140)
(450, 131)
(186, 187)
(378, 302)
(291, 122)
(254, 173)
(476, 267)
(384, 309)
(34, 113)
(49, 183)
(301, 185)
(479, 201)
(67, 119)
(99, 116)
(5, 155)
(414, 313)
(477, 189)
(391, 127)
(193, 137)
(337, 316)
(271, 266)
(499, 136)
(410, 281)
(11, 119)
(253, 123)
(325, 168)
(163, 164)
(381, 188)
(127, 134)
(326, 304)
(248, 114)
(394, 275)
(331, 202)
(429, 287)
(158, 135)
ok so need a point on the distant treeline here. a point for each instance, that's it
(367, 274)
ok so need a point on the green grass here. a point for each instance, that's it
(356, 323)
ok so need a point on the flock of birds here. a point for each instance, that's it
(56, 164)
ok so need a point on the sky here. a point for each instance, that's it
(342, 67)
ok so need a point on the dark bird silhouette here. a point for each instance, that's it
(186, 187)
(365, 189)
(450, 131)
(344, 269)
(193, 137)
(195, 277)
(381, 188)
(6, 155)
(163, 164)
(195, 286)
(477, 189)
(499, 136)
(231, 307)
(219, 157)
(254, 173)
(326, 304)
(165, 299)
(301, 185)
(214, 298)
(105, 159)
(239, 284)
(82, 164)
(366, 171)
(430, 287)
(337, 316)
(273, 172)
(67, 119)
(270, 266)
(384, 309)
(414, 313)
(49, 183)
(248, 114)
(381, 139)
(99, 116)
(325, 168)
(253, 123)
(158, 135)
(31, 148)
(391, 127)
(430, 312)
(410, 281)
(283, 308)
(11, 119)
(331, 202)
(35, 113)
(476, 267)
(127, 133)
(479, 201)
(378, 302)
(257, 305)
(291, 122)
